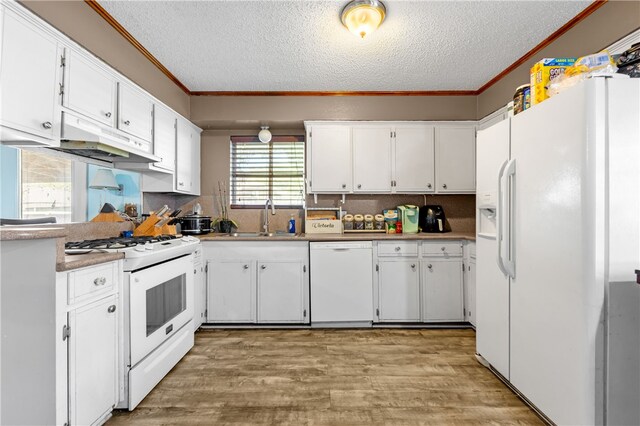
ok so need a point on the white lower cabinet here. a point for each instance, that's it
(471, 292)
(281, 292)
(442, 290)
(257, 282)
(199, 291)
(470, 283)
(93, 361)
(92, 338)
(398, 290)
(419, 282)
(231, 285)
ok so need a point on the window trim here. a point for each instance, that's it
(278, 138)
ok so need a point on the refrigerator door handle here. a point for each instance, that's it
(509, 261)
(499, 213)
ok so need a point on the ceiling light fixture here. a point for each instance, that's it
(362, 17)
(264, 135)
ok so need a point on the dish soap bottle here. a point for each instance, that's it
(292, 225)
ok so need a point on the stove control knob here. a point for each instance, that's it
(148, 246)
(139, 247)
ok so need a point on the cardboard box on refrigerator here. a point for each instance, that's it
(545, 71)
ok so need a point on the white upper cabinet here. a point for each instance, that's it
(29, 64)
(185, 178)
(135, 112)
(413, 166)
(371, 159)
(329, 158)
(164, 137)
(90, 89)
(455, 158)
(184, 156)
(187, 173)
(391, 157)
(195, 160)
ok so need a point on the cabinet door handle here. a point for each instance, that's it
(263, 266)
(245, 267)
(444, 185)
(127, 122)
(108, 114)
(47, 125)
(359, 186)
(429, 185)
(430, 266)
(413, 266)
(344, 185)
(111, 309)
(99, 281)
(194, 271)
(180, 183)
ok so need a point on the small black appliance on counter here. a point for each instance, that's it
(432, 219)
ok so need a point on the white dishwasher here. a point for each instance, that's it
(341, 283)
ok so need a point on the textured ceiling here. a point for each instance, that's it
(272, 45)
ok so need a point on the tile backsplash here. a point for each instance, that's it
(459, 209)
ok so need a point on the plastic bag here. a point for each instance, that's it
(585, 67)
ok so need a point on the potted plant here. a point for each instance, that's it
(223, 224)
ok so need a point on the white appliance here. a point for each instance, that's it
(558, 198)
(341, 283)
(157, 308)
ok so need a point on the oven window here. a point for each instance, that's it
(165, 302)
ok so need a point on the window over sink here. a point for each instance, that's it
(261, 171)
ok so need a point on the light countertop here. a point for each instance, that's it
(75, 261)
(10, 233)
(352, 236)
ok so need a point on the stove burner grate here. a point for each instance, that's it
(116, 243)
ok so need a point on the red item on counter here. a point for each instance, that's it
(399, 227)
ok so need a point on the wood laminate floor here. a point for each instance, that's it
(330, 377)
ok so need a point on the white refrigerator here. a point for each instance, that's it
(558, 224)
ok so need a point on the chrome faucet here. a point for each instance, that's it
(265, 226)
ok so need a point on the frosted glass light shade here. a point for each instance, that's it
(104, 179)
(362, 17)
(264, 135)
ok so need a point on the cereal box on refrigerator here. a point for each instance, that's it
(545, 71)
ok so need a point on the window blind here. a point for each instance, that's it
(261, 171)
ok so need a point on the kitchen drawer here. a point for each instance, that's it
(442, 248)
(86, 283)
(398, 248)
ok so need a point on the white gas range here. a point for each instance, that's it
(157, 307)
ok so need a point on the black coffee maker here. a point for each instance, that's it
(432, 219)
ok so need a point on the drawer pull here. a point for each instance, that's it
(99, 281)
(442, 248)
(47, 125)
(127, 122)
(111, 309)
(108, 114)
(397, 248)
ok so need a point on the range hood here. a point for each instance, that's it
(80, 136)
